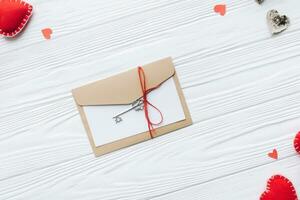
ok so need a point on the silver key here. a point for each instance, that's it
(137, 105)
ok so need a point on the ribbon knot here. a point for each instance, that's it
(145, 92)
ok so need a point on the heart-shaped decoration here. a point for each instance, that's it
(259, 1)
(47, 33)
(277, 22)
(14, 15)
(297, 142)
(221, 9)
(279, 188)
(273, 154)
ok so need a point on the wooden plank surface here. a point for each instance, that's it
(241, 84)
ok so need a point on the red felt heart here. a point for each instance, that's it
(297, 142)
(279, 188)
(14, 14)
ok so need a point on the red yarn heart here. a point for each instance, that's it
(14, 14)
(279, 188)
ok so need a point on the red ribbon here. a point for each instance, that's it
(145, 91)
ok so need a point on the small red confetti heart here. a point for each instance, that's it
(297, 142)
(47, 33)
(273, 154)
(221, 9)
(279, 188)
(14, 15)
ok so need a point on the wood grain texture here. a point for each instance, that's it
(242, 87)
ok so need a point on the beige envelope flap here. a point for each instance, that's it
(123, 88)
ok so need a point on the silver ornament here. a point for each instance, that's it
(277, 22)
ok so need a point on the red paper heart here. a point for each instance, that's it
(279, 188)
(297, 142)
(221, 8)
(47, 33)
(14, 14)
(273, 154)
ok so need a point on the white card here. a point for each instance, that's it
(105, 130)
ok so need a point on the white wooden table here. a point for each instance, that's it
(242, 87)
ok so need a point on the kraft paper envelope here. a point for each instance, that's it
(122, 90)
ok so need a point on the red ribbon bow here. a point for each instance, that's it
(145, 92)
